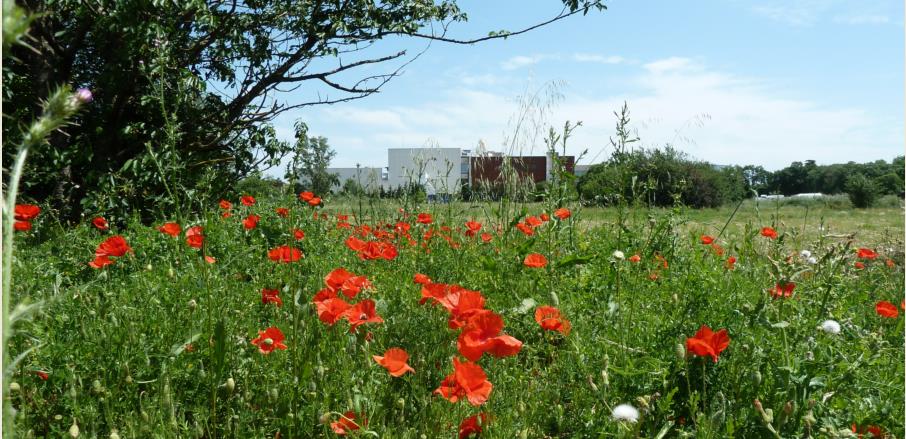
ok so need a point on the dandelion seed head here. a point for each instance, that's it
(625, 412)
(830, 327)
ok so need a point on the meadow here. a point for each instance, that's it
(308, 317)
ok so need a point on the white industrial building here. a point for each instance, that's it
(439, 170)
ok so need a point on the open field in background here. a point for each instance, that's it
(809, 220)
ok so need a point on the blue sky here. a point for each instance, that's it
(730, 82)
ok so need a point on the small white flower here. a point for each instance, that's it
(812, 260)
(625, 412)
(830, 327)
(618, 255)
(805, 254)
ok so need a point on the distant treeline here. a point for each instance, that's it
(664, 177)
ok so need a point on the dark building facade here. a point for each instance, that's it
(535, 167)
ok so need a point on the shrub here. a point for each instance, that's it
(862, 191)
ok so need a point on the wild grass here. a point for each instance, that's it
(159, 343)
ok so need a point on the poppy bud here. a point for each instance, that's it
(192, 305)
(756, 378)
(324, 419)
(605, 378)
(273, 393)
(149, 267)
(592, 384)
(114, 434)
(230, 384)
(128, 379)
(14, 387)
(675, 298)
(401, 403)
(145, 416)
(680, 352)
(74, 429)
(96, 387)
(171, 273)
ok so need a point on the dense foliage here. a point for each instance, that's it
(184, 92)
(632, 328)
(665, 176)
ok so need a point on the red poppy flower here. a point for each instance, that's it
(782, 289)
(305, 196)
(361, 313)
(355, 244)
(533, 221)
(394, 360)
(378, 250)
(251, 221)
(890, 263)
(282, 211)
(347, 283)
(298, 234)
(482, 334)
(708, 343)
(769, 232)
(189, 347)
(486, 237)
(545, 217)
(41, 374)
(562, 213)
(271, 296)
(113, 246)
(472, 228)
(314, 201)
(22, 226)
(26, 212)
(707, 240)
(436, 292)
(424, 218)
(100, 223)
(635, 258)
(100, 262)
(330, 308)
(535, 260)
(468, 381)
(718, 250)
(526, 230)
(422, 279)
(195, 237)
(269, 339)
(347, 423)
(210, 259)
(226, 214)
(172, 229)
(874, 430)
(550, 319)
(472, 426)
(731, 263)
(247, 200)
(887, 309)
(859, 265)
(284, 254)
(462, 305)
(865, 253)
(226, 205)
(662, 260)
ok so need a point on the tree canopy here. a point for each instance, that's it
(184, 91)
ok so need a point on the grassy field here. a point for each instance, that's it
(609, 336)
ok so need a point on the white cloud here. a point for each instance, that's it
(594, 58)
(862, 19)
(712, 115)
(671, 64)
(520, 61)
(788, 13)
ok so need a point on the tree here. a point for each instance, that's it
(314, 158)
(862, 191)
(185, 91)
